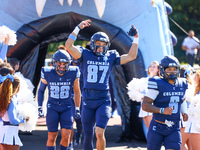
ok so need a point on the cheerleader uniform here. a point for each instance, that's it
(143, 113)
(191, 126)
(9, 133)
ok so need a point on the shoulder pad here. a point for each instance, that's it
(81, 48)
(152, 83)
(156, 77)
(111, 52)
(73, 68)
(48, 68)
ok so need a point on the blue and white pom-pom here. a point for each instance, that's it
(27, 84)
(194, 111)
(27, 110)
(27, 106)
(136, 89)
(189, 93)
(6, 32)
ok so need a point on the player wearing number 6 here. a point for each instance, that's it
(60, 79)
(96, 65)
(166, 94)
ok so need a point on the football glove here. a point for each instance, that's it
(132, 31)
(77, 114)
(40, 112)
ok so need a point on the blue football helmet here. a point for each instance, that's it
(99, 36)
(166, 62)
(61, 56)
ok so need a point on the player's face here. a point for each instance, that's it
(171, 70)
(153, 69)
(100, 46)
(61, 66)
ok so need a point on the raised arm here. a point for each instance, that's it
(132, 54)
(75, 52)
(4, 49)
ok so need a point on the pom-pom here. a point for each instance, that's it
(5, 32)
(194, 111)
(189, 93)
(137, 88)
(27, 107)
(27, 110)
(24, 82)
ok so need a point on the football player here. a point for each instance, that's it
(60, 79)
(78, 133)
(96, 65)
(166, 94)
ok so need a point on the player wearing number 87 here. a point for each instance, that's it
(60, 79)
(96, 65)
(166, 94)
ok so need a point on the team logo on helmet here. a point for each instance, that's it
(166, 62)
(99, 36)
(64, 57)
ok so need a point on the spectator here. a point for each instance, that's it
(14, 62)
(190, 45)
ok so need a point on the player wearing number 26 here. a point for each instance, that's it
(166, 94)
(61, 79)
(96, 65)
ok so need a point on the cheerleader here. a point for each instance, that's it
(153, 70)
(137, 88)
(193, 125)
(9, 38)
(186, 72)
(9, 87)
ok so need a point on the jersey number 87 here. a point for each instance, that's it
(93, 73)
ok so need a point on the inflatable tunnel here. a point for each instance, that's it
(34, 37)
(40, 22)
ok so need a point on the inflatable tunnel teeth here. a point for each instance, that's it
(174, 38)
(69, 2)
(61, 2)
(40, 6)
(168, 8)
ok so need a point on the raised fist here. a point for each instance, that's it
(132, 31)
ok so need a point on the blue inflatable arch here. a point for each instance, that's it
(33, 40)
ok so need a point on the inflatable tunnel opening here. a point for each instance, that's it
(31, 49)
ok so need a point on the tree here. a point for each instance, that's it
(186, 14)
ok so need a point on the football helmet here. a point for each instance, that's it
(64, 57)
(166, 62)
(99, 36)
